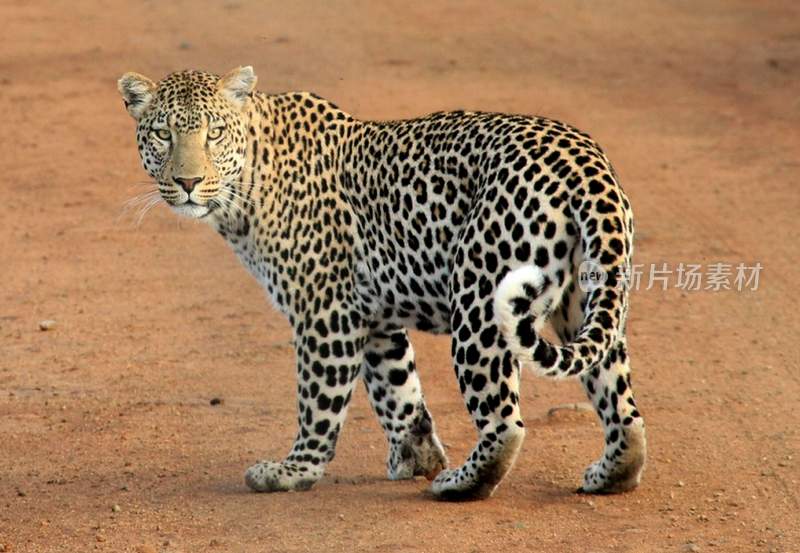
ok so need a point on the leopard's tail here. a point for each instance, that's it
(523, 303)
(526, 297)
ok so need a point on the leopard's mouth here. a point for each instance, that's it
(191, 209)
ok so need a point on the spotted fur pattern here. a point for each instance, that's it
(472, 224)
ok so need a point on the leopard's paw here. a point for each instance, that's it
(418, 455)
(617, 473)
(271, 476)
(461, 485)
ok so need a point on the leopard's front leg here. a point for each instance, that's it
(329, 350)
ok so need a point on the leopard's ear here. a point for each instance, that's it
(237, 85)
(137, 92)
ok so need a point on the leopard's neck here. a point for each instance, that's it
(289, 201)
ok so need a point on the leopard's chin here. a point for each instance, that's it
(191, 210)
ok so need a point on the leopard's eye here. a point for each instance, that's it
(163, 134)
(215, 133)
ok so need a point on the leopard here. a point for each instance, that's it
(485, 226)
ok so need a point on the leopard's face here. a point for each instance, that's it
(191, 133)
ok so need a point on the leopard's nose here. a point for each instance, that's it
(188, 183)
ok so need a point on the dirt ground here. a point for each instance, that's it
(108, 440)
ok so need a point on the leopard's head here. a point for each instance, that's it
(191, 131)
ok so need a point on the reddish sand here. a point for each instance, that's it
(108, 441)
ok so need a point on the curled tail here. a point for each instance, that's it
(522, 305)
(526, 297)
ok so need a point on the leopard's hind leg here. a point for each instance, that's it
(488, 375)
(608, 386)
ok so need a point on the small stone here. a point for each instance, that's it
(116, 508)
(143, 548)
(21, 493)
(216, 401)
(47, 324)
(578, 406)
(691, 547)
(100, 538)
(5, 547)
(681, 484)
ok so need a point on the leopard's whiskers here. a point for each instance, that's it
(228, 204)
(137, 202)
(147, 207)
